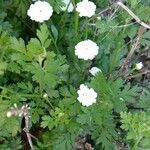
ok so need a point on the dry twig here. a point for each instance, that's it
(133, 48)
(137, 75)
(22, 112)
(138, 20)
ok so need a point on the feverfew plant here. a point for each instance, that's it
(68, 80)
(86, 8)
(86, 96)
(40, 11)
(86, 50)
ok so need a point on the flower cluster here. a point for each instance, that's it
(87, 50)
(86, 96)
(41, 11)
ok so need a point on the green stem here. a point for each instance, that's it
(136, 144)
(76, 23)
(54, 42)
(113, 60)
(116, 51)
(47, 100)
(76, 18)
(86, 28)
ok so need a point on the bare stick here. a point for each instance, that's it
(137, 75)
(138, 20)
(27, 131)
(133, 48)
(22, 112)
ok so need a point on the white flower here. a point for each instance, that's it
(60, 114)
(86, 96)
(9, 114)
(86, 50)
(45, 95)
(86, 8)
(139, 66)
(94, 70)
(40, 11)
(98, 18)
(69, 8)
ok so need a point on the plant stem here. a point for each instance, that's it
(76, 23)
(86, 28)
(114, 57)
(136, 144)
(54, 41)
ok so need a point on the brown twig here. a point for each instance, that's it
(27, 131)
(22, 112)
(137, 75)
(138, 20)
(133, 48)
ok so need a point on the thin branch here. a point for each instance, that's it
(119, 26)
(133, 48)
(137, 75)
(138, 20)
(113, 14)
(22, 112)
(123, 26)
(27, 131)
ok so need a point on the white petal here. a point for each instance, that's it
(86, 50)
(94, 70)
(40, 11)
(86, 96)
(86, 8)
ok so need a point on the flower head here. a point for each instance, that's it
(45, 95)
(9, 114)
(86, 96)
(86, 50)
(40, 11)
(86, 8)
(139, 66)
(68, 6)
(94, 70)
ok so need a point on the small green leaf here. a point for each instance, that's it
(54, 32)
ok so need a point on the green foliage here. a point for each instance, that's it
(144, 101)
(21, 7)
(43, 35)
(56, 5)
(38, 67)
(12, 144)
(57, 117)
(145, 39)
(116, 92)
(4, 25)
(7, 126)
(137, 127)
